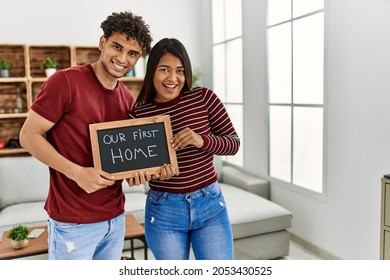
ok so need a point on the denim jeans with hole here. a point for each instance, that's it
(95, 241)
(175, 222)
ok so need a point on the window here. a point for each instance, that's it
(227, 63)
(296, 92)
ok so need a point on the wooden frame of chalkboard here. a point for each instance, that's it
(124, 148)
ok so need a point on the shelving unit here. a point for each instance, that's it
(84, 55)
(37, 54)
(385, 220)
(27, 77)
(17, 54)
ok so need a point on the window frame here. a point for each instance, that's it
(237, 159)
(290, 185)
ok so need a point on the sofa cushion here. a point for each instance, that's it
(25, 213)
(238, 178)
(135, 200)
(137, 189)
(217, 161)
(251, 214)
(30, 184)
(29, 214)
(135, 204)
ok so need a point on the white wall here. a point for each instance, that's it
(77, 22)
(346, 224)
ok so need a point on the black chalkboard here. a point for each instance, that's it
(126, 147)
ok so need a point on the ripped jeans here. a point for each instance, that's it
(175, 222)
(95, 241)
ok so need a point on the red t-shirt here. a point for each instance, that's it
(72, 99)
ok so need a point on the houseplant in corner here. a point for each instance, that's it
(50, 65)
(19, 236)
(196, 77)
(5, 67)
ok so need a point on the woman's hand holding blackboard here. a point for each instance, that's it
(93, 179)
(167, 171)
(140, 178)
(185, 138)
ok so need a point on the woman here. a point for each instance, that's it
(188, 209)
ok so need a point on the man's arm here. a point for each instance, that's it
(32, 138)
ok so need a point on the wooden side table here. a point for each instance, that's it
(38, 246)
(135, 231)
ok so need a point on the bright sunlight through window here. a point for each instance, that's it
(227, 63)
(296, 92)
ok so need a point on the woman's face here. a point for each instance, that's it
(169, 78)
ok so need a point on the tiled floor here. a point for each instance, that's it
(297, 252)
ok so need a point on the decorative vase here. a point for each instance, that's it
(4, 73)
(18, 244)
(50, 71)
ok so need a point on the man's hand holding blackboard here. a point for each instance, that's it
(93, 179)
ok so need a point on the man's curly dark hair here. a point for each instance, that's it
(131, 25)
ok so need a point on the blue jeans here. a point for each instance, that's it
(95, 241)
(175, 222)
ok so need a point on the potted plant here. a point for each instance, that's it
(5, 67)
(18, 236)
(196, 77)
(50, 65)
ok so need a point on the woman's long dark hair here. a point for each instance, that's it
(166, 45)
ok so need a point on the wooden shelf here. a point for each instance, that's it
(17, 55)
(385, 220)
(13, 115)
(84, 55)
(27, 76)
(37, 54)
(132, 79)
(13, 80)
(38, 80)
(13, 97)
(13, 151)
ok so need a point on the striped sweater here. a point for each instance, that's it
(201, 110)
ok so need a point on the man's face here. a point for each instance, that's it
(119, 55)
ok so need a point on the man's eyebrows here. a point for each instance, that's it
(117, 44)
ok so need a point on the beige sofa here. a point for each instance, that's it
(260, 227)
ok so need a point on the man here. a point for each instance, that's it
(86, 205)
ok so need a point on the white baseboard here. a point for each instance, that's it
(311, 247)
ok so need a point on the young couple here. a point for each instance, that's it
(185, 206)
